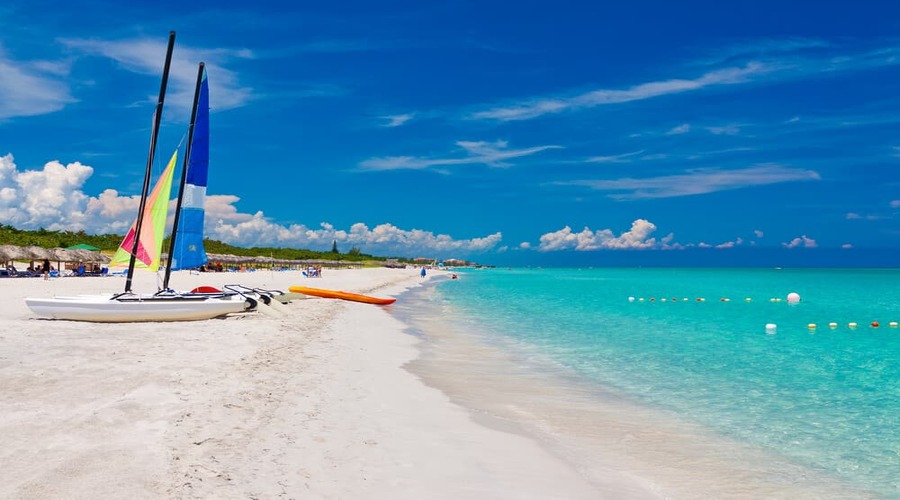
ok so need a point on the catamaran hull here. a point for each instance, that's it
(108, 310)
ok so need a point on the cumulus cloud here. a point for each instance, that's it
(801, 242)
(638, 237)
(895, 203)
(731, 244)
(48, 198)
(758, 233)
(52, 198)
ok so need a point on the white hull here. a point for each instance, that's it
(133, 308)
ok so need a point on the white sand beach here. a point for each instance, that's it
(332, 399)
(314, 404)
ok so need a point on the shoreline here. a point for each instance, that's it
(624, 448)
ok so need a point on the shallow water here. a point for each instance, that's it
(626, 388)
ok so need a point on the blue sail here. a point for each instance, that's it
(189, 252)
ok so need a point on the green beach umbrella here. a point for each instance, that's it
(83, 246)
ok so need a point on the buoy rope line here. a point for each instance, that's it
(792, 299)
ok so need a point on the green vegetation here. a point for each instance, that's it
(109, 242)
(52, 239)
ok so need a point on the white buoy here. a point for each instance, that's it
(770, 328)
(630, 299)
(832, 325)
(892, 324)
(793, 297)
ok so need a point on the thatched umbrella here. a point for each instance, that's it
(12, 252)
(64, 254)
(79, 255)
(35, 252)
(99, 257)
(91, 256)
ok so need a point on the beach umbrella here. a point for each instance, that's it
(63, 255)
(83, 246)
(13, 252)
(99, 257)
(35, 252)
(82, 255)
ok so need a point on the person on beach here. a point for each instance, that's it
(46, 269)
(423, 272)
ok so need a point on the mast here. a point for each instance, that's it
(184, 170)
(149, 171)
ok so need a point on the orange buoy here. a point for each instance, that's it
(874, 324)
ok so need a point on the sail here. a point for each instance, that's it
(156, 210)
(188, 252)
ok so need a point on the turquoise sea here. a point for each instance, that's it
(687, 351)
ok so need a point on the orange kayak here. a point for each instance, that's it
(337, 294)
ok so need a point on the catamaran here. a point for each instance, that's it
(142, 248)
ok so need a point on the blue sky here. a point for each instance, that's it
(523, 132)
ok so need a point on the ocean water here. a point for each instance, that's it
(793, 407)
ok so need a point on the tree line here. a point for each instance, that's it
(10, 235)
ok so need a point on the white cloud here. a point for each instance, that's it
(146, 56)
(801, 242)
(681, 129)
(638, 237)
(758, 233)
(492, 154)
(772, 60)
(731, 244)
(724, 130)
(536, 107)
(52, 198)
(695, 181)
(620, 158)
(895, 203)
(29, 88)
(856, 216)
(48, 198)
(381, 239)
(397, 120)
(847, 245)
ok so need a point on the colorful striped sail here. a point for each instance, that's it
(156, 210)
(189, 252)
